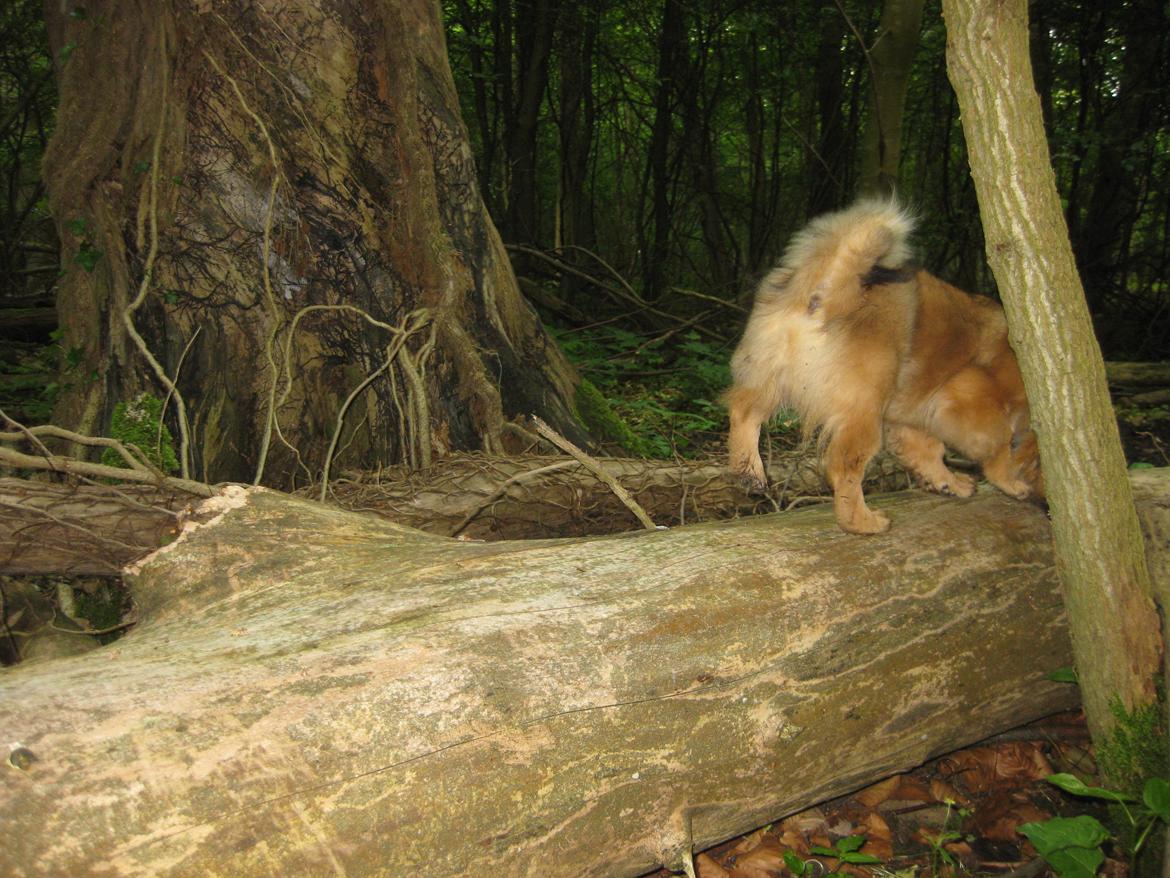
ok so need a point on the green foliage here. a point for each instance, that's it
(1074, 846)
(1071, 845)
(87, 254)
(1064, 675)
(1137, 749)
(846, 850)
(939, 855)
(599, 419)
(138, 423)
(660, 390)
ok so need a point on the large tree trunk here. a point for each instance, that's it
(260, 210)
(1115, 626)
(313, 691)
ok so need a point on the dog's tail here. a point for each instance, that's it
(839, 253)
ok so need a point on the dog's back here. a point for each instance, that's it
(845, 332)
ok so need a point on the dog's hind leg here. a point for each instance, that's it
(922, 454)
(749, 408)
(852, 445)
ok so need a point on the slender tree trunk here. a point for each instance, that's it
(482, 98)
(891, 57)
(265, 217)
(1099, 549)
(577, 119)
(533, 28)
(672, 56)
(826, 161)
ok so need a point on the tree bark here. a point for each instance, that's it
(261, 214)
(311, 690)
(1115, 626)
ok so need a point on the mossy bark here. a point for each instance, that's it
(311, 690)
(1099, 550)
(282, 206)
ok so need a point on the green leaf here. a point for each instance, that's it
(795, 864)
(852, 843)
(1060, 833)
(1072, 784)
(66, 50)
(78, 226)
(860, 859)
(821, 850)
(1141, 464)
(1156, 795)
(1076, 862)
(1064, 675)
(78, 13)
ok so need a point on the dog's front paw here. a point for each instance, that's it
(750, 483)
(866, 521)
(748, 473)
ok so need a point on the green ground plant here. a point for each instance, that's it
(846, 850)
(1074, 846)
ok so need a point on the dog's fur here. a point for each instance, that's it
(859, 344)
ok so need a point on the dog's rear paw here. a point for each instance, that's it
(957, 485)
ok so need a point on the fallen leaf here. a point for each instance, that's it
(879, 841)
(941, 791)
(874, 795)
(705, 867)
(766, 861)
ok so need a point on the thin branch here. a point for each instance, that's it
(590, 464)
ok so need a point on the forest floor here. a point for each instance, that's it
(956, 815)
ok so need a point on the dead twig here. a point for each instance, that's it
(590, 464)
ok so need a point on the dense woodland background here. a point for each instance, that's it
(647, 161)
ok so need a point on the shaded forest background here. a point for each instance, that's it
(647, 161)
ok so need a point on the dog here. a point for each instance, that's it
(864, 346)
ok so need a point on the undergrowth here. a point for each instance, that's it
(664, 389)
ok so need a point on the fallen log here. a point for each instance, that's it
(534, 497)
(95, 530)
(83, 530)
(1129, 375)
(312, 691)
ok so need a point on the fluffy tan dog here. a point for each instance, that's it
(860, 344)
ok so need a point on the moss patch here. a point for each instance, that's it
(600, 420)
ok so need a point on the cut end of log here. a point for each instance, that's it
(207, 514)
